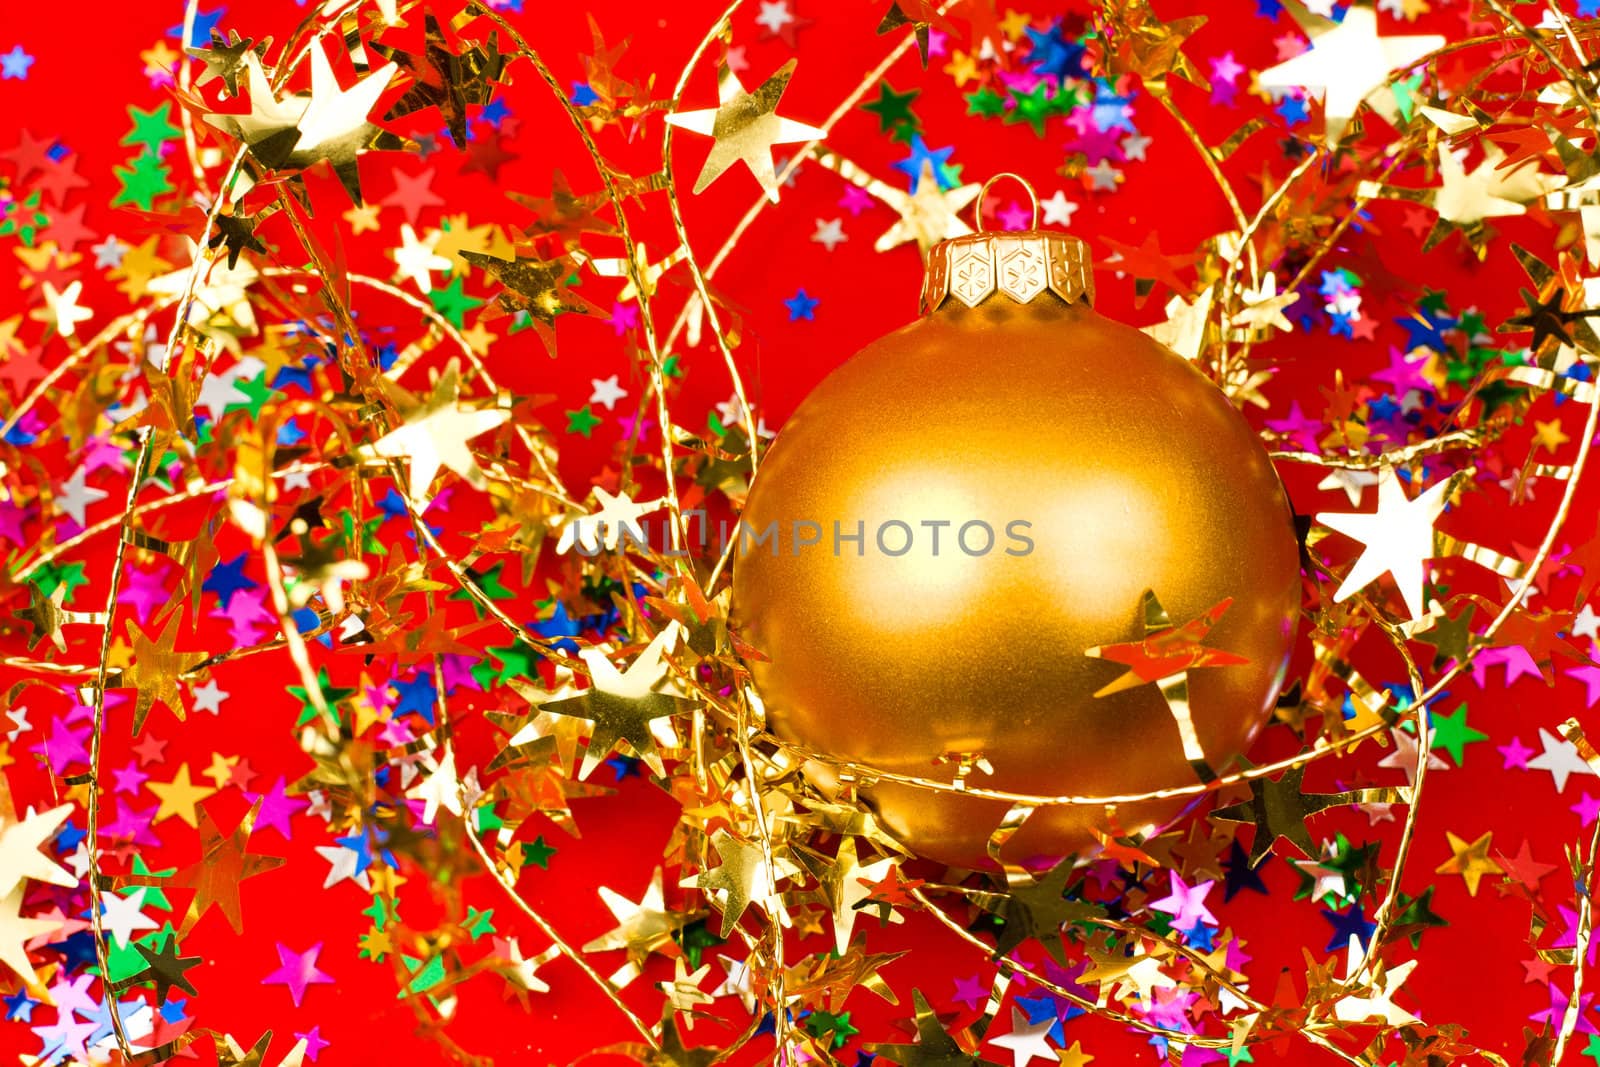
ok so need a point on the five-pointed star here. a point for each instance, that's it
(745, 126)
(1165, 657)
(224, 58)
(232, 1054)
(1377, 1002)
(416, 258)
(1560, 757)
(74, 496)
(1351, 63)
(16, 932)
(1058, 210)
(830, 233)
(1488, 190)
(1187, 325)
(606, 392)
(328, 123)
(61, 308)
(1350, 480)
(1470, 860)
(19, 850)
(522, 970)
(1398, 537)
(268, 116)
(435, 434)
(683, 991)
(744, 875)
(179, 797)
(845, 883)
(642, 928)
(1037, 911)
(440, 789)
(208, 696)
(1074, 1056)
(121, 916)
(342, 866)
(927, 216)
(537, 286)
(168, 967)
(623, 705)
(618, 517)
(1404, 756)
(1027, 1042)
(45, 616)
(334, 124)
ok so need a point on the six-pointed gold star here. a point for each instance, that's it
(155, 670)
(927, 216)
(744, 876)
(623, 705)
(642, 928)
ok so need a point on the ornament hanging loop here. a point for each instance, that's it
(1033, 197)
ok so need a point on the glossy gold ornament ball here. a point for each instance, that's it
(1133, 471)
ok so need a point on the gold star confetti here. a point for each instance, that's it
(1350, 62)
(330, 123)
(624, 705)
(1470, 861)
(179, 797)
(934, 1048)
(224, 863)
(1164, 658)
(226, 58)
(683, 991)
(927, 216)
(447, 80)
(642, 928)
(745, 127)
(435, 435)
(1264, 306)
(1279, 809)
(617, 518)
(1377, 1001)
(1036, 910)
(533, 285)
(744, 877)
(155, 670)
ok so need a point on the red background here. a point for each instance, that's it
(88, 68)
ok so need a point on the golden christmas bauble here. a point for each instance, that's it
(958, 516)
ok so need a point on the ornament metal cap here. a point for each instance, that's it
(1017, 265)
